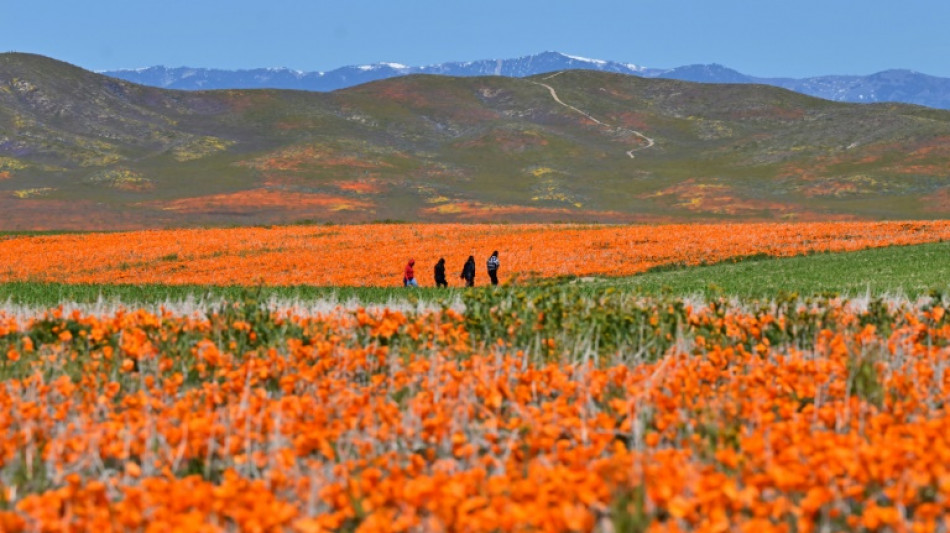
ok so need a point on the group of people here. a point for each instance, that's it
(468, 272)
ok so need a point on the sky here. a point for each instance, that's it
(757, 37)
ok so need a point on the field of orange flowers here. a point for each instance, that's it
(535, 410)
(374, 255)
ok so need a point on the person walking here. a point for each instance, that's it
(440, 280)
(468, 272)
(493, 265)
(409, 275)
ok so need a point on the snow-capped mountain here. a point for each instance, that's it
(187, 78)
(529, 66)
(892, 85)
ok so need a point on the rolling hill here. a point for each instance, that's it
(79, 150)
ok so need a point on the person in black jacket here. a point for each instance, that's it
(440, 280)
(493, 265)
(468, 272)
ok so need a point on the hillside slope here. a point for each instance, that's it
(83, 151)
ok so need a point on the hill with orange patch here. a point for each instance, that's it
(83, 151)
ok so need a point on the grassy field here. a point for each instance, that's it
(50, 294)
(910, 271)
(901, 270)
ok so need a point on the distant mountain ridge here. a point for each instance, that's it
(903, 86)
(187, 78)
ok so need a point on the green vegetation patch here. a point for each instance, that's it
(899, 270)
(52, 294)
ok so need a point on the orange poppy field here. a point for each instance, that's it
(374, 255)
(534, 407)
(804, 415)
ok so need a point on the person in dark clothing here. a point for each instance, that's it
(440, 280)
(468, 272)
(493, 265)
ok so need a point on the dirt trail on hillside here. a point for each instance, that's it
(649, 141)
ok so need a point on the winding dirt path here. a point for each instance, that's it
(649, 141)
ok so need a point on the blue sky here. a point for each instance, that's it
(759, 37)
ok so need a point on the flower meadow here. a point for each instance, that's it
(374, 255)
(534, 409)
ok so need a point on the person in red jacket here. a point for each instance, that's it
(409, 276)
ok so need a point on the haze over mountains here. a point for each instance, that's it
(888, 86)
(80, 150)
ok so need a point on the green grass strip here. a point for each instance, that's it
(51, 294)
(908, 270)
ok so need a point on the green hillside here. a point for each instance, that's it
(83, 151)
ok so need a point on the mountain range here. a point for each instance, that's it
(81, 150)
(888, 86)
